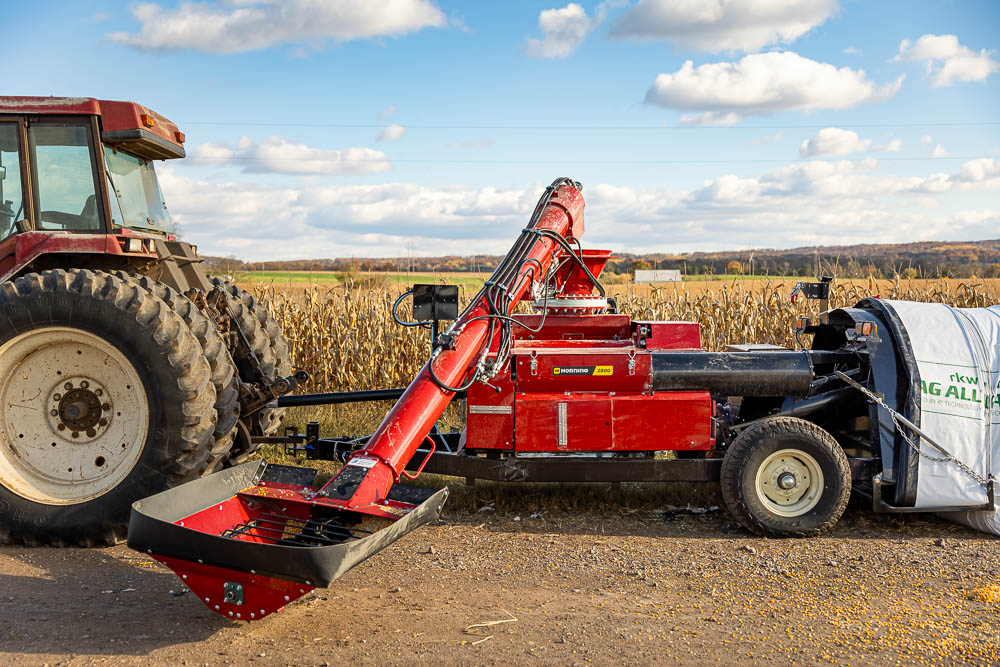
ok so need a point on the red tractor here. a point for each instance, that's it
(124, 369)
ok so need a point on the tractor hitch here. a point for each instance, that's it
(250, 539)
(254, 397)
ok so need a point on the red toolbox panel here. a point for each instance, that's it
(582, 369)
(489, 417)
(560, 422)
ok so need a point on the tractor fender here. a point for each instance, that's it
(28, 247)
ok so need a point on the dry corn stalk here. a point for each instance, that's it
(346, 338)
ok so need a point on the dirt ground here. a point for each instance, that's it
(606, 588)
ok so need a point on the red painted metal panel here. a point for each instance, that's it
(490, 415)
(538, 346)
(560, 423)
(128, 116)
(670, 335)
(114, 115)
(583, 369)
(664, 421)
(574, 280)
(571, 327)
(257, 596)
(554, 422)
(50, 105)
(8, 257)
(31, 245)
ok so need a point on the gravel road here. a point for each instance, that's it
(605, 588)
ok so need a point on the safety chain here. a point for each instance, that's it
(903, 425)
(944, 459)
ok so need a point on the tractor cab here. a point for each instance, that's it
(84, 167)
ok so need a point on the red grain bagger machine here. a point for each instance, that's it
(252, 538)
(574, 391)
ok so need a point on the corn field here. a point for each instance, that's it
(346, 338)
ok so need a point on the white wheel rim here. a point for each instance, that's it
(789, 482)
(57, 381)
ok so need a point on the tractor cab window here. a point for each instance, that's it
(11, 195)
(65, 192)
(136, 200)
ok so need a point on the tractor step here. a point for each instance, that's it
(250, 539)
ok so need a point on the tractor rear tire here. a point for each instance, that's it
(105, 398)
(786, 477)
(278, 345)
(224, 376)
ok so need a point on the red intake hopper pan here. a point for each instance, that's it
(250, 539)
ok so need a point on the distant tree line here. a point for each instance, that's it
(907, 260)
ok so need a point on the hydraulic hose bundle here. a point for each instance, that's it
(251, 539)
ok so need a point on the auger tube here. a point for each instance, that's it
(405, 427)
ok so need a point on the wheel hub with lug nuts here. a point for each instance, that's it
(73, 415)
(789, 482)
(82, 410)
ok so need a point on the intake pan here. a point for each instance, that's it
(758, 373)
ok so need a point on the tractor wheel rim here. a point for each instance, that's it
(789, 482)
(73, 416)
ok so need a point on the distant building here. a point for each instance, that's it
(662, 276)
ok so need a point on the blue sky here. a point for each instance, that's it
(381, 128)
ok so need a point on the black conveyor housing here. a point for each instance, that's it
(757, 373)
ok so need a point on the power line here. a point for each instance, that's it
(586, 127)
(568, 160)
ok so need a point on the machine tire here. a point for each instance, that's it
(271, 417)
(224, 376)
(784, 450)
(122, 334)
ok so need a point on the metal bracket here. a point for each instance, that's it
(879, 506)
(232, 593)
(253, 397)
(563, 436)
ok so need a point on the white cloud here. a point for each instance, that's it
(563, 30)
(948, 60)
(837, 141)
(893, 146)
(926, 139)
(764, 83)
(980, 170)
(833, 141)
(386, 113)
(265, 222)
(392, 133)
(723, 25)
(939, 151)
(277, 155)
(250, 25)
(852, 51)
(720, 118)
(804, 203)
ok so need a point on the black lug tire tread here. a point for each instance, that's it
(247, 320)
(278, 345)
(736, 461)
(182, 412)
(224, 376)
